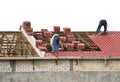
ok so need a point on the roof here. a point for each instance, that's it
(28, 44)
(108, 44)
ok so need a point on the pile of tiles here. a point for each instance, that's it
(27, 27)
(68, 39)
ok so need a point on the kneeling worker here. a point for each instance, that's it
(55, 43)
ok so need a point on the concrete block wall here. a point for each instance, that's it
(59, 65)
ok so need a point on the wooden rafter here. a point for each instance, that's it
(14, 44)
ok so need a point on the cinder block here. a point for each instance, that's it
(24, 66)
(63, 65)
(43, 65)
(96, 65)
(52, 65)
(5, 66)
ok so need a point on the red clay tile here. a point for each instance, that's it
(26, 24)
(30, 33)
(44, 30)
(70, 35)
(80, 46)
(60, 49)
(48, 34)
(62, 38)
(71, 39)
(49, 55)
(39, 36)
(28, 29)
(42, 48)
(67, 30)
(75, 43)
(40, 43)
(56, 29)
(69, 46)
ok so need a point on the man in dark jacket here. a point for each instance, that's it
(102, 23)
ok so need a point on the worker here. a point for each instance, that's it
(55, 43)
(102, 23)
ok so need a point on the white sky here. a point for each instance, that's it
(79, 15)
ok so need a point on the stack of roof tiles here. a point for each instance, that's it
(27, 26)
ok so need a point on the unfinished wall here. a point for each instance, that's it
(60, 71)
(59, 65)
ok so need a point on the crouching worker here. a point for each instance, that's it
(56, 43)
(102, 23)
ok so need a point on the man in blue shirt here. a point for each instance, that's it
(55, 43)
